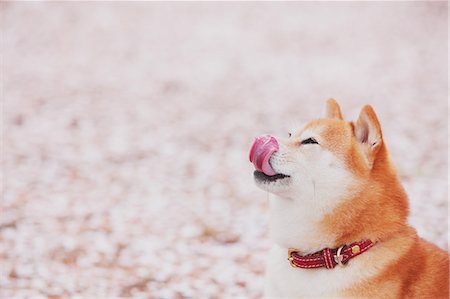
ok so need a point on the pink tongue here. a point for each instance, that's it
(263, 147)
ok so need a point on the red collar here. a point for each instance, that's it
(327, 257)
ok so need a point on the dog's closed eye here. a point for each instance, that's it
(309, 141)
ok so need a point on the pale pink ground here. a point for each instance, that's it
(127, 128)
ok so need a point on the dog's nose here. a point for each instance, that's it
(263, 147)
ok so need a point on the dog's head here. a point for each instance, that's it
(320, 167)
(323, 157)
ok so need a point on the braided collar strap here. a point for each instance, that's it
(327, 257)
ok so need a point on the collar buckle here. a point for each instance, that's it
(291, 258)
(338, 257)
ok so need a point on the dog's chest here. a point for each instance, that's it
(284, 281)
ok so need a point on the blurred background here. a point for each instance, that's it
(126, 130)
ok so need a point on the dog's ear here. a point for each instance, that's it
(333, 110)
(368, 133)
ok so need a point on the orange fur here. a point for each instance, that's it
(415, 268)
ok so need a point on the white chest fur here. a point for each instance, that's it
(284, 281)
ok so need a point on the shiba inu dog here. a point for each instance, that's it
(339, 215)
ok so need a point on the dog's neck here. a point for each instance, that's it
(310, 227)
(294, 227)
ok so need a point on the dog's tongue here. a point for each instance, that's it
(263, 147)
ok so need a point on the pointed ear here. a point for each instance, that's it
(333, 110)
(368, 133)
